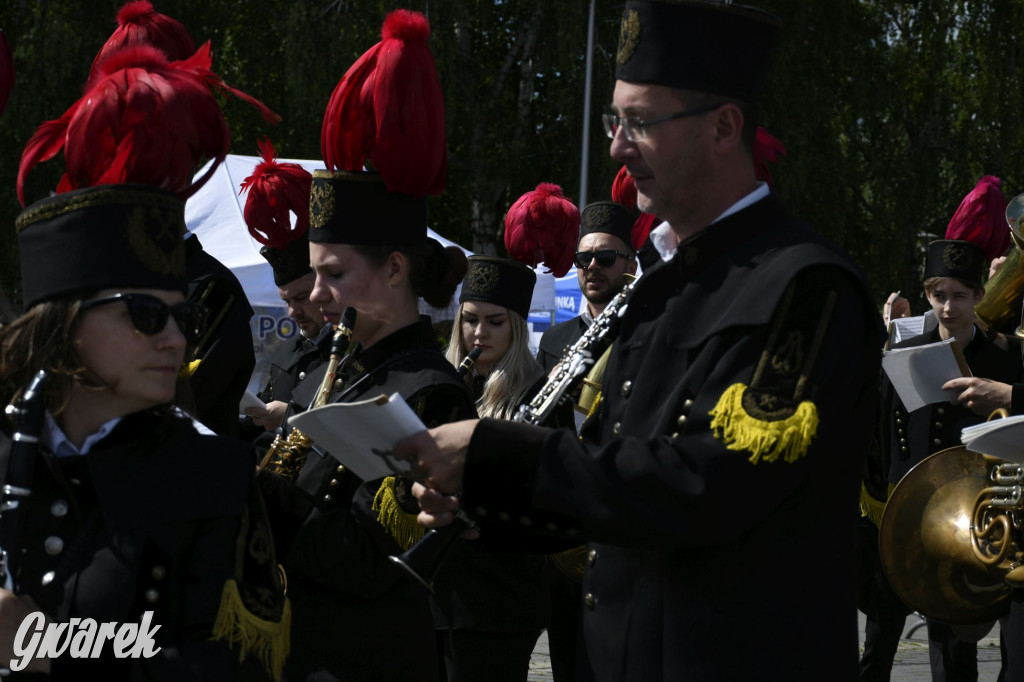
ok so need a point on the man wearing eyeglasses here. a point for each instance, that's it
(719, 501)
(603, 260)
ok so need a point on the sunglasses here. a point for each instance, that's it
(605, 258)
(149, 314)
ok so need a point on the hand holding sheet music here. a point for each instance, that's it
(918, 373)
(362, 434)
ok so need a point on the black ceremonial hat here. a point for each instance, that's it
(500, 281)
(955, 258)
(610, 217)
(288, 263)
(704, 45)
(356, 208)
(102, 237)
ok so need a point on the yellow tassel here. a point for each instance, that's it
(766, 440)
(401, 525)
(872, 508)
(188, 369)
(267, 640)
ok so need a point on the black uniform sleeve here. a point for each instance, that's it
(758, 427)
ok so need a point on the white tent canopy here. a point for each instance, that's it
(215, 215)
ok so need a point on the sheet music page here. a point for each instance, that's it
(1002, 438)
(918, 373)
(361, 435)
(907, 328)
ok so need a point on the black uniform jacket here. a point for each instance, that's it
(484, 588)
(290, 363)
(740, 397)
(156, 517)
(556, 339)
(226, 356)
(910, 437)
(357, 616)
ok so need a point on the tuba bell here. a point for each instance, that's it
(950, 538)
(1004, 292)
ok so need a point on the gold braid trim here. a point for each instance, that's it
(267, 640)
(872, 508)
(765, 440)
(399, 524)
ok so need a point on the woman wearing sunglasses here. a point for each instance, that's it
(136, 514)
(492, 606)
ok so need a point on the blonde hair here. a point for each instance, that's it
(512, 376)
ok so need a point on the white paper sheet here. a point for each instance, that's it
(361, 435)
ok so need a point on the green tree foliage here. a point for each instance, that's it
(890, 110)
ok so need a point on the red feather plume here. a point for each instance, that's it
(6, 72)
(388, 110)
(624, 189)
(139, 24)
(981, 218)
(143, 119)
(275, 191)
(624, 192)
(543, 226)
(767, 149)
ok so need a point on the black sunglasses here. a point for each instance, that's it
(149, 314)
(605, 258)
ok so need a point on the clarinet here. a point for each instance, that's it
(577, 361)
(424, 559)
(27, 413)
(469, 361)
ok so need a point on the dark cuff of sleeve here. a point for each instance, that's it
(501, 468)
(1017, 399)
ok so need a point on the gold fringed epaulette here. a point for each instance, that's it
(871, 507)
(400, 525)
(267, 640)
(765, 440)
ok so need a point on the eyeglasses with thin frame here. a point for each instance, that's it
(149, 314)
(636, 129)
(605, 258)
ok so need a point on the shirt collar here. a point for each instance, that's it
(665, 240)
(57, 441)
(587, 318)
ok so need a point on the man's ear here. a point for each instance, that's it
(728, 127)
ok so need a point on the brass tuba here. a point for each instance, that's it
(950, 538)
(287, 454)
(1004, 292)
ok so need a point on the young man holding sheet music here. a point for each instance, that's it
(953, 275)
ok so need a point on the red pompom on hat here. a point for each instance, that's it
(141, 120)
(542, 227)
(6, 72)
(767, 149)
(139, 24)
(276, 190)
(624, 192)
(387, 112)
(981, 218)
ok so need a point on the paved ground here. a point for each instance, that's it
(910, 665)
(911, 662)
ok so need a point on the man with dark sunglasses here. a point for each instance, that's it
(604, 259)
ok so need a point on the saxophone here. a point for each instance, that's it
(287, 454)
(578, 362)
